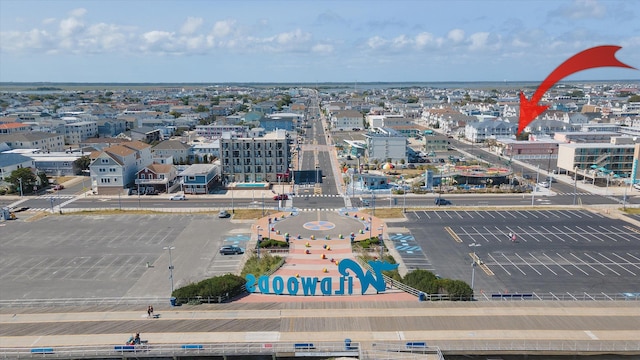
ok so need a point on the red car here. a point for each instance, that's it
(281, 197)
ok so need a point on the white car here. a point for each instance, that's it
(178, 197)
(544, 184)
(636, 186)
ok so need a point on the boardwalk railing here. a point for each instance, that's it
(320, 348)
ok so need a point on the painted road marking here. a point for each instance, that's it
(453, 234)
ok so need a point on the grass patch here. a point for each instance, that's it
(62, 179)
(386, 213)
(631, 211)
(251, 214)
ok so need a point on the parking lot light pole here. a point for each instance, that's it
(380, 229)
(258, 242)
(170, 265)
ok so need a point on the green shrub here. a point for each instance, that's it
(428, 283)
(267, 243)
(224, 285)
(258, 267)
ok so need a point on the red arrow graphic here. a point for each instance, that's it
(599, 56)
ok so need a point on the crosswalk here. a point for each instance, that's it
(316, 195)
(56, 196)
(577, 193)
(317, 209)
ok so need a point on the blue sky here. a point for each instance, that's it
(309, 41)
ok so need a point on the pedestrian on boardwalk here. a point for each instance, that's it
(149, 311)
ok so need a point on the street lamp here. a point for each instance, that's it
(170, 265)
(380, 229)
(575, 184)
(549, 163)
(404, 196)
(258, 242)
(370, 227)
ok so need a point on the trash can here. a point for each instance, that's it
(174, 301)
(422, 297)
(347, 344)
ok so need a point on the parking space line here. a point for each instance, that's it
(542, 213)
(522, 234)
(634, 257)
(490, 214)
(477, 212)
(561, 232)
(500, 213)
(553, 233)
(521, 214)
(577, 233)
(573, 213)
(572, 264)
(539, 233)
(469, 215)
(600, 233)
(627, 261)
(625, 236)
(479, 233)
(416, 214)
(553, 212)
(632, 229)
(512, 264)
(601, 264)
(438, 215)
(512, 214)
(532, 213)
(497, 263)
(458, 213)
(618, 264)
(448, 214)
(587, 264)
(496, 236)
(560, 266)
(586, 213)
(543, 264)
(468, 235)
(527, 263)
(564, 214)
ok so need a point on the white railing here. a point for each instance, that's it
(335, 349)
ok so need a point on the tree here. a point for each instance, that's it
(82, 163)
(634, 98)
(43, 178)
(201, 109)
(24, 177)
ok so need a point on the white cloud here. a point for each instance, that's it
(292, 37)
(583, 9)
(424, 39)
(48, 21)
(478, 41)
(223, 28)
(376, 42)
(155, 36)
(456, 35)
(322, 48)
(191, 25)
(70, 26)
(78, 12)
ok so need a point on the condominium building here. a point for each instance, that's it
(603, 157)
(76, 132)
(255, 159)
(386, 144)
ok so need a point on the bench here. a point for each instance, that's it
(124, 348)
(416, 345)
(192, 347)
(42, 351)
(303, 346)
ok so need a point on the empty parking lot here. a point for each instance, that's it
(560, 251)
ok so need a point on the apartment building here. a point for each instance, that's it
(255, 159)
(34, 140)
(385, 144)
(216, 131)
(76, 132)
(603, 157)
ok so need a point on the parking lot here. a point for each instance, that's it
(76, 256)
(573, 251)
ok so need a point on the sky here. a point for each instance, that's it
(217, 41)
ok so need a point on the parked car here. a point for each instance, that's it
(58, 187)
(178, 197)
(224, 214)
(442, 201)
(281, 197)
(231, 250)
(544, 184)
(636, 186)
